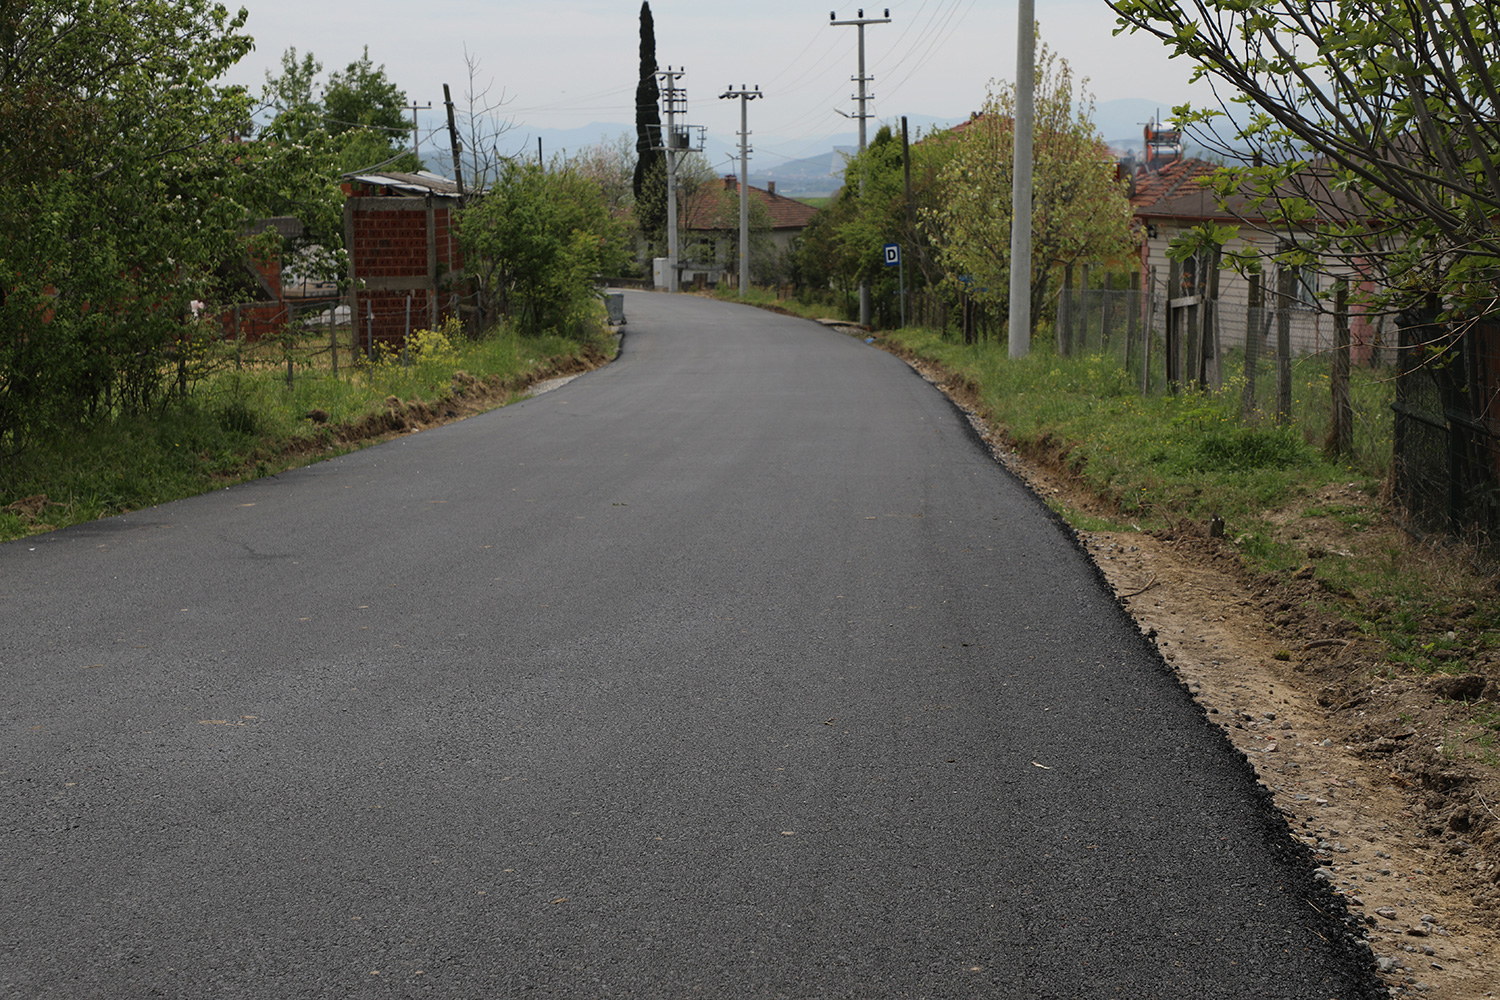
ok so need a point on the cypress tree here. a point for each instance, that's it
(650, 198)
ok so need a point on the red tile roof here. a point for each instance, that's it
(1177, 190)
(707, 208)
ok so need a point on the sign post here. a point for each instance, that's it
(893, 259)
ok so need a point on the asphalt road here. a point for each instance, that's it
(734, 669)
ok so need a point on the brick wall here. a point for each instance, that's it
(391, 261)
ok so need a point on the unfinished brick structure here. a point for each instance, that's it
(403, 255)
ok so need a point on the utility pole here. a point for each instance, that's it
(674, 99)
(457, 145)
(1020, 195)
(911, 223)
(862, 97)
(416, 142)
(745, 96)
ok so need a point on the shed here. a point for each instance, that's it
(405, 264)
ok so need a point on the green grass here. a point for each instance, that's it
(1160, 459)
(767, 299)
(240, 420)
(1155, 458)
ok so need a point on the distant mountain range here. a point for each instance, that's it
(801, 168)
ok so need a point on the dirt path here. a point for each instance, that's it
(1361, 759)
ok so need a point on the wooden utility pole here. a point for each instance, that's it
(457, 147)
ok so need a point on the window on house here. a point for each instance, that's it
(1304, 286)
(1307, 289)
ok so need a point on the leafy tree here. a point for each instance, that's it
(295, 89)
(610, 165)
(126, 200)
(360, 116)
(875, 192)
(1079, 210)
(362, 96)
(822, 259)
(1364, 133)
(649, 180)
(538, 239)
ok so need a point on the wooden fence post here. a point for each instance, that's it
(1148, 329)
(1132, 314)
(1080, 322)
(1192, 325)
(1286, 287)
(1172, 362)
(1212, 372)
(1065, 313)
(1255, 308)
(1106, 311)
(1341, 433)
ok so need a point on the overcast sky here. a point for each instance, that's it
(566, 64)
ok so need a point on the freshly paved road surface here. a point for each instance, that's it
(735, 669)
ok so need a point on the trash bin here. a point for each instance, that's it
(614, 302)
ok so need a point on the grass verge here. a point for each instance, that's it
(1160, 462)
(242, 419)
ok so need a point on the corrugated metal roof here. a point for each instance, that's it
(422, 183)
(289, 226)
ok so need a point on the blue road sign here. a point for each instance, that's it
(892, 254)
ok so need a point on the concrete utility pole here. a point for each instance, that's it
(674, 99)
(416, 143)
(1020, 195)
(745, 96)
(862, 97)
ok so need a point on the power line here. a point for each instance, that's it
(938, 37)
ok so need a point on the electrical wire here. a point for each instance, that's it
(953, 26)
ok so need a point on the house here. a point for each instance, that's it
(710, 228)
(405, 264)
(1170, 195)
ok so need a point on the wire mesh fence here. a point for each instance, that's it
(315, 337)
(1400, 396)
(1447, 436)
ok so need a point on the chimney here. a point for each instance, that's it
(771, 188)
(729, 184)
